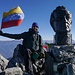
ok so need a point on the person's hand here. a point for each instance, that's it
(1, 32)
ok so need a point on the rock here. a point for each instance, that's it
(16, 60)
(3, 63)
(15, 66)
(48, 64)
(12, 71)
(63, 52)
(69, 70)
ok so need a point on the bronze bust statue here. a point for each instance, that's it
(61, 56)
(61, 22)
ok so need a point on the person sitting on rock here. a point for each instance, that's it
(32, 43)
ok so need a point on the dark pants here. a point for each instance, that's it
(27, 60)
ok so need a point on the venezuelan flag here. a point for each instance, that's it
(13, 18)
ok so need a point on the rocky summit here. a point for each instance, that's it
(15, 66)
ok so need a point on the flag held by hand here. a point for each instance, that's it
(13, 18)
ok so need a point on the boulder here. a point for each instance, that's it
(3, 63)
(12, 71)
(17, 59)
(69, 70)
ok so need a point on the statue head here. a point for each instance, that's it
(61, 20)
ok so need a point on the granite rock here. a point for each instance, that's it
(3, 63)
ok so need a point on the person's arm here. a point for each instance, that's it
(13, 36)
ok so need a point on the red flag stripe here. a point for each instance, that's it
(11, 23)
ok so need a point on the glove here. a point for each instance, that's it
(1, 32)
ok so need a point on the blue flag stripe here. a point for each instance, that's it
(15, 16)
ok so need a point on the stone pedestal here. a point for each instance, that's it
(69, 70)
(63, 38)
(61, 58)
(63, 52)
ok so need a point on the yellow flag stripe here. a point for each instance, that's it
(12, 11)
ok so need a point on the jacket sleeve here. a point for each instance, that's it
(15, 36)
(41, 44)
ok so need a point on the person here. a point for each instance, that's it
(32, 42)
(61, 22)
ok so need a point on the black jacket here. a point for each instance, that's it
(31, 39)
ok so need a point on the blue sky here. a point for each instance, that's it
(36, 11)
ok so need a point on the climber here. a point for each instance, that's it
(32, 45)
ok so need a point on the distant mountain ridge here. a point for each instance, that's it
(7, 47)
